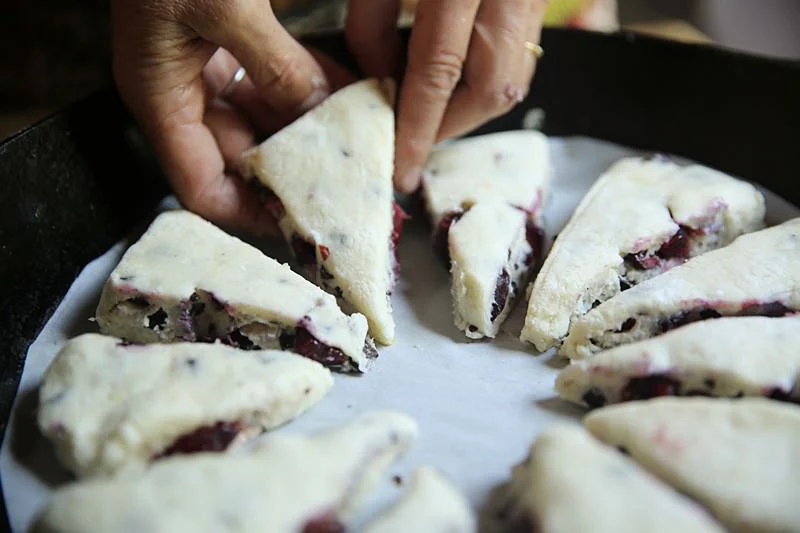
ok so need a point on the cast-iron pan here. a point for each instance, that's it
(79, 181)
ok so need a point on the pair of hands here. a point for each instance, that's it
(466, 64)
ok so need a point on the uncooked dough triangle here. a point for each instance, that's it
(327, 179)
(641, 218)
(740, 458)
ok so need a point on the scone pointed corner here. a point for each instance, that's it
(327, 179)
(534, 334)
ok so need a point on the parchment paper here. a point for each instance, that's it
(478, 404)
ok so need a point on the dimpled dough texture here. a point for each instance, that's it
(633, 209)
(108, 406)
(760, 268)
(281, 486)
(571, 483)
(332, 172)
(726, 357)
(206, 283)
(740, 458)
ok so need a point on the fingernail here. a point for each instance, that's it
(409, 179)
(314, 99)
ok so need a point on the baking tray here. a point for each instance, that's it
(81, 180)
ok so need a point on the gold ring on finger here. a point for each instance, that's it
(535, 49)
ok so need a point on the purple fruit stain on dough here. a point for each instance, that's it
(441, 236)
(500, 294)
(325, 523)
(646, 387)
(213, 438)
(676, 247)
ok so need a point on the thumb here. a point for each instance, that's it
(286, 75)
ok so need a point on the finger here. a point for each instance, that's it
(371, 33)
(218, 75)
(439, 42)
(337, 75)
(286, 75)
(158, 67)
(499, 69)
(231, 131)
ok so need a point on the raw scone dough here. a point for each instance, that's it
(491, 261)
(187, 280)
(430, 505)
(282, 486)
(485, 197)
(108, 406)
(740, 458)
(641, 218)
(571, 483)
(726, 357)
(328, 177)
(509, 166)
(757, 274)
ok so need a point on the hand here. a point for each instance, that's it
(172, 59)
(467, 64)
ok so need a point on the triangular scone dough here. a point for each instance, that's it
(491, 263)
(109, 406)
(328, 180)
(640, 218)
(571, 483)
(757, 274)
(727, 357)
(485, 197)
(430, 505)
(287, 484)
(187, 280)
(740, 458)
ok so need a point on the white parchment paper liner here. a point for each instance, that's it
(479, 404)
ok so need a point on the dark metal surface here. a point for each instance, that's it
(78, 182)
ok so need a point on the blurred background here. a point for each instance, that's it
(53, 52)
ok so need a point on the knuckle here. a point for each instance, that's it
(442, 72)
(415, 149)
(498, 98)
(286, 73)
